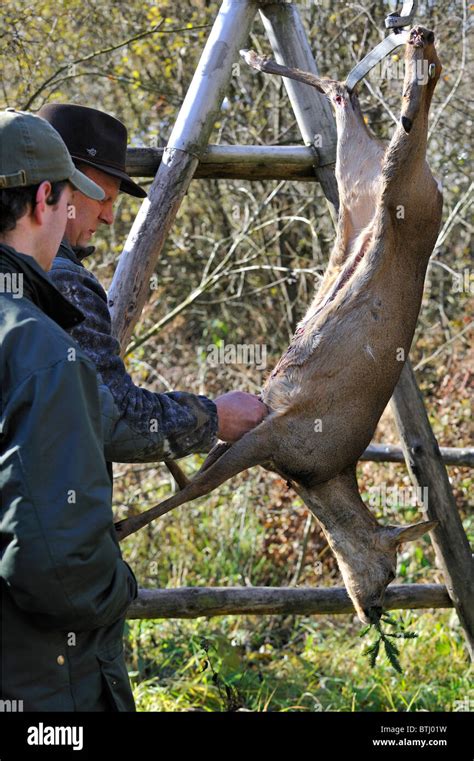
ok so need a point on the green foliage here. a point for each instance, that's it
(383, 637)
(287, 664)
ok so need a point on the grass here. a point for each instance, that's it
(254, 531)
(294, 664)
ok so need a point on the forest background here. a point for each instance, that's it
(135, 59)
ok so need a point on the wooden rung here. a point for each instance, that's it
(193, 602)
(235, 162)
(461, 456)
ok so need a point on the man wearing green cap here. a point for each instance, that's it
(64, 586)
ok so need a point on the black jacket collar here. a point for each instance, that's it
(38, 288)
(74, 253)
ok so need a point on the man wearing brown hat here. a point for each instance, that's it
(168, 425)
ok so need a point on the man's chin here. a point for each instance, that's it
(84, 239)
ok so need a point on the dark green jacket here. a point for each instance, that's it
(64, 586)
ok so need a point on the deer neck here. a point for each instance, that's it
(339, 509)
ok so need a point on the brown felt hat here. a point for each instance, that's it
(95, 138)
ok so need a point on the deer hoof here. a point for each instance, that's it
(420, 37)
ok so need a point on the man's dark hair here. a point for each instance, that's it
(14, 202)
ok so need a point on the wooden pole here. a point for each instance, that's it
(240, 162)
(426, 468)
(193, 602)
(130, 286)
(460, 456)
(313, 113)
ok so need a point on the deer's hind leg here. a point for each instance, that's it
(406, 177)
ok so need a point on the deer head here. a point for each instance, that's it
(366, 551)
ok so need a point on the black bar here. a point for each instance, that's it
(211, 735)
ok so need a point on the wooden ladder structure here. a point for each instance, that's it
(187, 146)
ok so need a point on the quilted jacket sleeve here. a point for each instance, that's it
(163, 426)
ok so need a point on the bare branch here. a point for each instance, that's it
(460, 75)
(103, 51)
(269, 66)
(443, 346)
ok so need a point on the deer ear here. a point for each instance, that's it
(400, 534)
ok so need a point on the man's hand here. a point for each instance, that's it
(238, 412)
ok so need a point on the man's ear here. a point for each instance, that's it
(42, 195)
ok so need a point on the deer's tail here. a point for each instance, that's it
(252, 449)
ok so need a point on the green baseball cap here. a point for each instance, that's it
(31, 151)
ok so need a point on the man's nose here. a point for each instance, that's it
(107, 214)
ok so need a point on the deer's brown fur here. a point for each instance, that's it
(330, 387)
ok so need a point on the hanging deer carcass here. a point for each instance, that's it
(330, 387)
